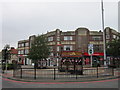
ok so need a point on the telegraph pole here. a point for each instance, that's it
(104, 43)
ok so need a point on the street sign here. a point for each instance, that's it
(90, 46)
(90, 49)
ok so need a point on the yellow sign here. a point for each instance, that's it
(71, 53)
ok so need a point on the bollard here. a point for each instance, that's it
(14, 72)
(112, 71)
(35, 73)
(3, 71)
(21, 73)
(97, 71)
(76, 73)
(54, 74)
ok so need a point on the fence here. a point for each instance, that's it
(45, 74)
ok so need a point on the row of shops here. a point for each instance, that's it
(72, 56)
(65, 55)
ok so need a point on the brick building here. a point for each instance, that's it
(76, 40)
(13, 54)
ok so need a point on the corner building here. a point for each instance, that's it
(76, 40)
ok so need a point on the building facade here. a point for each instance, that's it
(13, 55)
(23, 50)
(76, 40)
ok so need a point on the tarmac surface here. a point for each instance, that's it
(9, 75)
(8, 81)
(113, 83)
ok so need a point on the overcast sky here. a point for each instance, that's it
(19, 20)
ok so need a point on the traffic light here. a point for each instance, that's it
(90, 51)
(5, 54)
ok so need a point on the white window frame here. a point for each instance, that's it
(19, 51)
(50, 38)
(22, 44)
(22, 51)
(51, 48)
(114, 36)
(68, 46)
(26, 44)
(107, 36)
(58, 38)
(58, 48)
(68, 38)
(26, 51)
(51, 54)
(19, 45)
(95, 38)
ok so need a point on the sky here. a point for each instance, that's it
(20, 19)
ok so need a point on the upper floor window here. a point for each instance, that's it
(50, 38)
(68, 38)
(26, 51)
(26, 44)
(19, 52)
(19, 45)
(51, 54)
(22, 52)
(114, 36)
(95, 38)
(58, 48)
(22, 44)
(51, 48)
(117, 37)
(58, 38)
(107, 36)
(68, 47)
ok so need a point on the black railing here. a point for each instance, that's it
(32, 73)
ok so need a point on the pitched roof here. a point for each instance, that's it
(13, 51)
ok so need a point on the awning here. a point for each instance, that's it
(94, 54)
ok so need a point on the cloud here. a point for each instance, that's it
(20, 20)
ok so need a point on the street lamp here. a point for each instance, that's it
(60, 55)
(104, 46)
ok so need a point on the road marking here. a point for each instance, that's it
(58, 82)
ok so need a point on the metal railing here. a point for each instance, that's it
(42, 74)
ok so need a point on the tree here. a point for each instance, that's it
(113, 48)
(39, 49)
(6, 52)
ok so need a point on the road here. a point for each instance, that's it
(6, 83)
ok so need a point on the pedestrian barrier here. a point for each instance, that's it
(55, 74)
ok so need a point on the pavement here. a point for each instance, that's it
(9, 75)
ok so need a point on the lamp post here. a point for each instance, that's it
(104, 45)
(60, 55)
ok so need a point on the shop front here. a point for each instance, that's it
(96, 58)
(71, 61)
(23, 60)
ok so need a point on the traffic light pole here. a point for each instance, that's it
(6, 60)
(91, 59)
(90, 52)
(6, 65)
